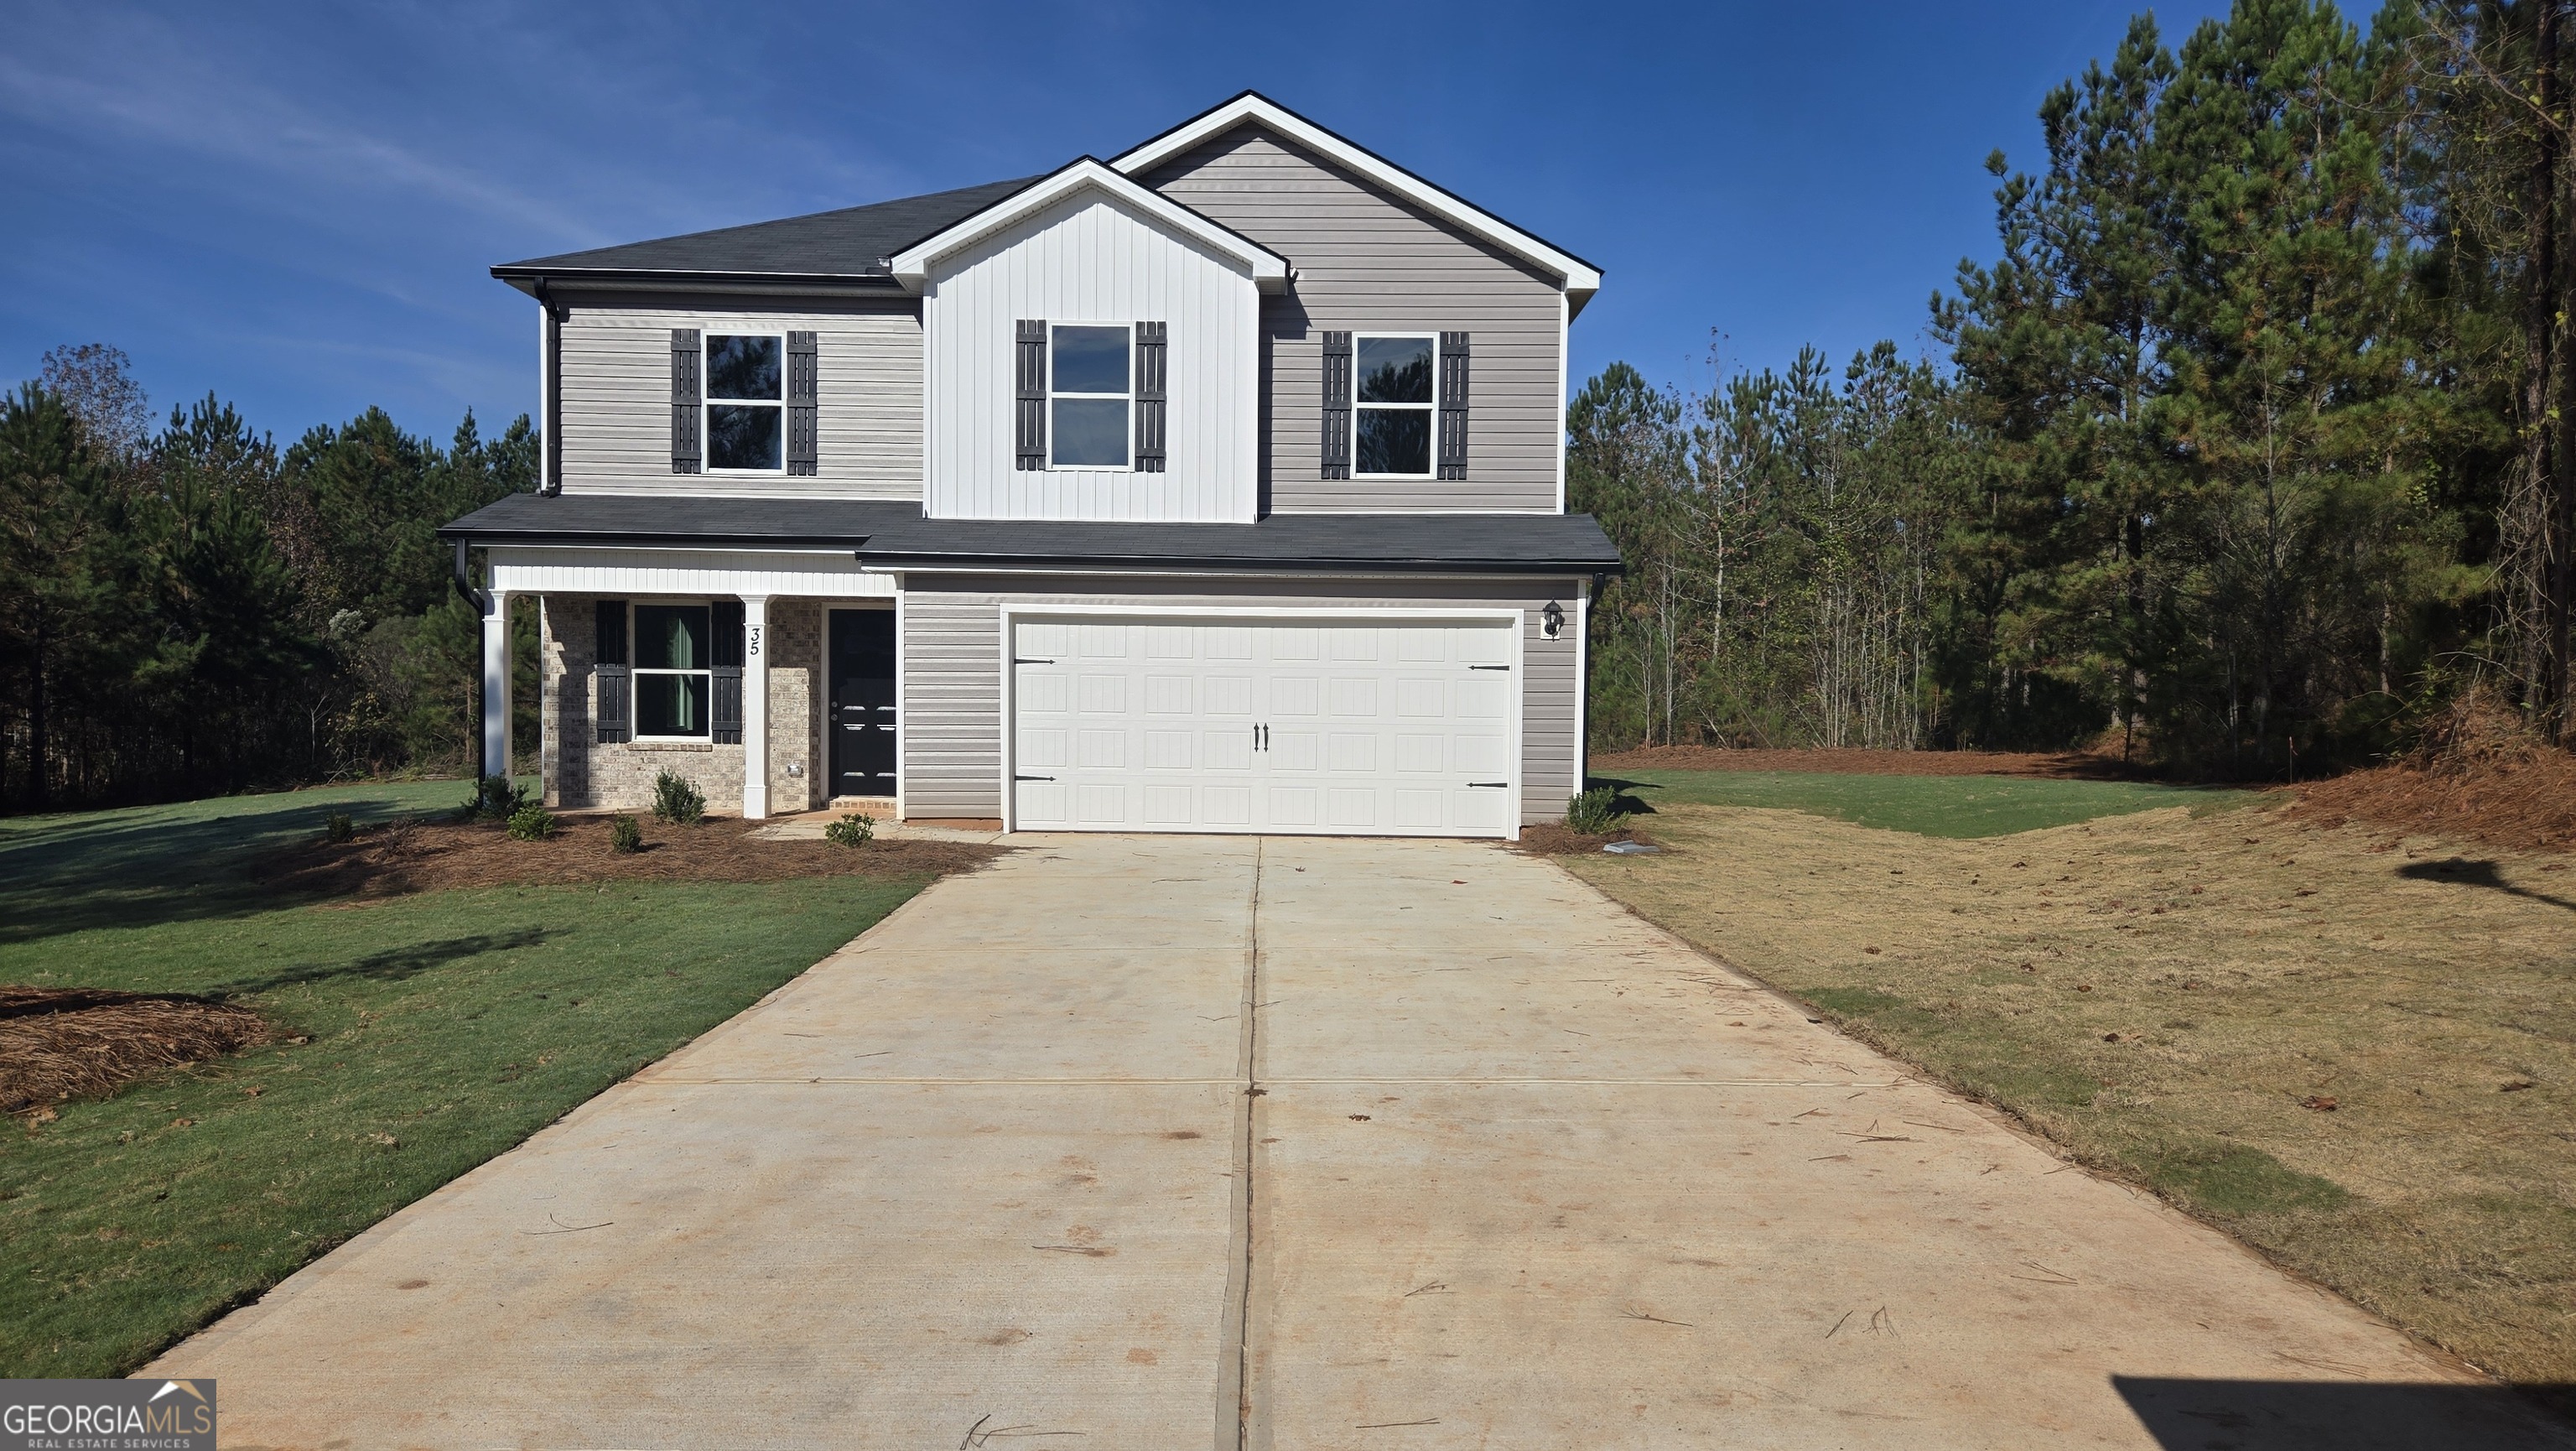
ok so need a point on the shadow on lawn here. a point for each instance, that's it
(130, 870)
(2341, 1415)
(395, 964)
(2468, 873)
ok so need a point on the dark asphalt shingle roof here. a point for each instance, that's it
(895, 535)
(844, 243)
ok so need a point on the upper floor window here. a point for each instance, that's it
(1393, 402)
(1089, 393)
(746, 402)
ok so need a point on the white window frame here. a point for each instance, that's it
(635, 673)
(707, 400)
(1128, 397)
(1430, 411)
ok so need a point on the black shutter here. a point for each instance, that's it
(608, 673)
(1032, 370)
(1151, 338)
(1453, 405)
(1337, 405)
(725, 656)
(804, 452)
(685, 413)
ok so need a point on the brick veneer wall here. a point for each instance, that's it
(581, 772)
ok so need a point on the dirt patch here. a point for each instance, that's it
(1551, 839)
(2525, 803)
(2064, 766)
(437, 856)
(65, 1043)
(2177, 999)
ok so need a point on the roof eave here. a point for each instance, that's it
(526, 279)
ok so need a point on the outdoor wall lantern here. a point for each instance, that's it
(1551, 621)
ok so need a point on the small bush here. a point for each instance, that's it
(855, 829)
(495, 799)
(676, 802)
(531, 823)
(338, 826)
(625, 835)
(1595, 812)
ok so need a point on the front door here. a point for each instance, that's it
(863, 716)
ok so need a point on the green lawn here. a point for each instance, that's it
(441, 1028)
(1951, 806)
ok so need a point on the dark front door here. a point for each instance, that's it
(863, 723)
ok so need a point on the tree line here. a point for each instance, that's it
(189, 609)
(2252, 443)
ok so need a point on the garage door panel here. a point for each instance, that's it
(1187, 726)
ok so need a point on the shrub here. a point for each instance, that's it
(495, 799)
(339, 827)
(677, 802)
(625, 835)
(855, 829)
(531, 823)
(1595, 812)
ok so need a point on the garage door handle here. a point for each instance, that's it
(1032, 662)
(1032, 778)
(1491, 785)
(1489, 667)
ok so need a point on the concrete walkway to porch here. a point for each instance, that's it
(1292, 1143)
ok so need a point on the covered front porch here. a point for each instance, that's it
(767, 680)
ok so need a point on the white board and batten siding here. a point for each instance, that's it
(1091, 260)
(953, 705)
(1369, 262)
(616, 385)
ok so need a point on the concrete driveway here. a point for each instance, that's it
(1295, 1143)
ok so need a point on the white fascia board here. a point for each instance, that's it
(1268, 269)
(1581, 278)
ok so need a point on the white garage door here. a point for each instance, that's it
(1401, 728)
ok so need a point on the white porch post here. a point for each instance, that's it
(496, 683)
(755, 707)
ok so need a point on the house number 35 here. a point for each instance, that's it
(754, 646)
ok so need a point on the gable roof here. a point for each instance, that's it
(912, 265)
(1580, 278)
(848, 246)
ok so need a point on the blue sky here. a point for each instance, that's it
(295, 206)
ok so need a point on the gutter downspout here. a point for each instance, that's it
(549, 390)
(481, 600)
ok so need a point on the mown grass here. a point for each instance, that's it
(437, 1031)
(1956, 807)
(2356, 1053)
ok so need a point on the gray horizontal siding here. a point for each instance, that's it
(952, 737)
(1368, 262)
(616, 401)
(951, 733)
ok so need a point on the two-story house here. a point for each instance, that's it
(1217, 487)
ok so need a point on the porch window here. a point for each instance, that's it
(1089, 382)
(746, 402)
(674, 687)
(1393, 404)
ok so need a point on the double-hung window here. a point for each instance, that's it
(746, 403)
(1090, 378)
(1393, 403)
(674, 689)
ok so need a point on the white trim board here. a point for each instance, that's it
(1580, 278)
(523, 569)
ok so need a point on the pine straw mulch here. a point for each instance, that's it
(2064, 765)
(2523, 801)
(65, 1043)
(423, 856)
(1550, 838)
